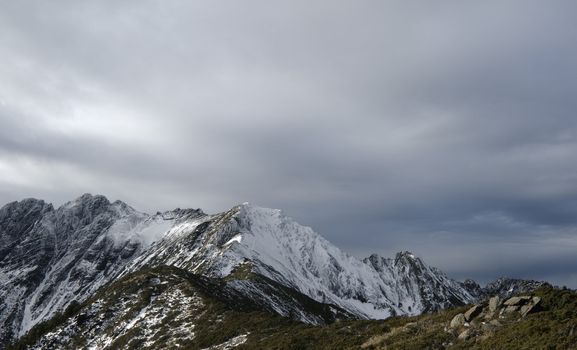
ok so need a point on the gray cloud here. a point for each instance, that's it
(443, 128)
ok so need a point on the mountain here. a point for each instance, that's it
(51, 257)
(54, 258)
(503, 287)
(270, 244)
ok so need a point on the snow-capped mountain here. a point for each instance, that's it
(51, 257)
(275, 246)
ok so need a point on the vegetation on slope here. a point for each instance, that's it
(223, 317)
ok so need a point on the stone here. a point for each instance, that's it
(494, 303)
(525, 309)
(536, 300)
(473, 312)
(529, 308)
(514, 301)
(495, 323)
(457, 321)
(511, 309)
(488, 327)
(466, 334)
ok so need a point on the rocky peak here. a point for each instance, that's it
(375, 260)
(24, 209)
(18, 218)
(505, 287)
(473, 288)
(405, 255)
(409, 262)
(87, 202)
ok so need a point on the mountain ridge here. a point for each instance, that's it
(56, 256)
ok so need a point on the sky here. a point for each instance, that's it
(446, 128)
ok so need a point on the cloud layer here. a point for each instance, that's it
(444, 128)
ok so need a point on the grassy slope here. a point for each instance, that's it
(553, 328)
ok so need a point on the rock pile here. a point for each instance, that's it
(482, 320)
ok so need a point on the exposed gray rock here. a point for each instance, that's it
(516, 301)
(533, 306)
(457, 321)
(473, 312)
(494, 303)
(489, 327)
(495, 323)
(525, 309)
(511, 309)
(465, 335)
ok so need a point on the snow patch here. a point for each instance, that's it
(237, 238)
(139, 230)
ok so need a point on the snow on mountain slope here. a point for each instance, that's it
(160, 308)
(51, 257)
(278, 248)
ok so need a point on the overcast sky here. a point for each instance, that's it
(447, 128)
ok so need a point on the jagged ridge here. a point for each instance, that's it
(54, 256)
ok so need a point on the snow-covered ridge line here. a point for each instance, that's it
(50, 257)
(294, 255)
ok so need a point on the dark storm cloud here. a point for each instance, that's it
(444, 128)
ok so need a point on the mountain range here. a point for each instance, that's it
(90, 253)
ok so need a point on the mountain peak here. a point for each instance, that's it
(111, 239)
(87, 199)
(405, 254)
(27, 204)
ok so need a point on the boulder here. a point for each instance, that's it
(488, 327)
(466, 334)
(515, 301)
(494, 303)
(511, 309)
(473, 312)
(457, 321)
(525, 309)
(533, 306)
(495, 323)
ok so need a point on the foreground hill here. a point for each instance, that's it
(168, 308)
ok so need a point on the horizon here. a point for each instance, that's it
(446, 129)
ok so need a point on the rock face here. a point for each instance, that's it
(502, 287)
(52, 257)
(506, 287)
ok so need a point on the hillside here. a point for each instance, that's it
(167, 308)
